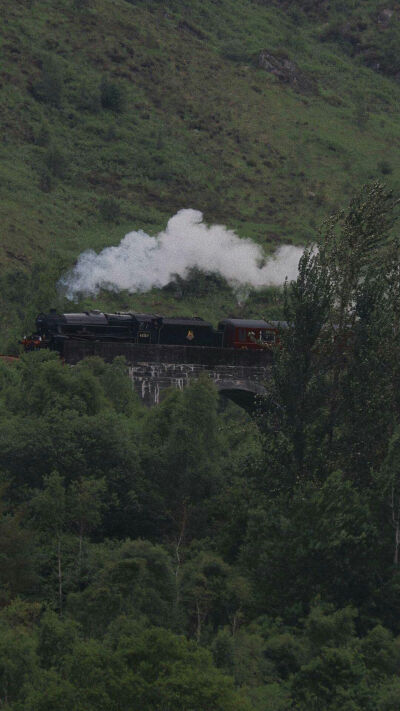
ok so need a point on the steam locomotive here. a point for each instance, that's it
(53, 330)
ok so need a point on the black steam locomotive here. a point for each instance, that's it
(53, 329)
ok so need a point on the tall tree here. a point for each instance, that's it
(85, 506)
(292, 416)
(49, 511)
(351, 246)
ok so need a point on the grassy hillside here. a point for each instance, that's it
(116, 114)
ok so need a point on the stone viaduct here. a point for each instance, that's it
(237, 374)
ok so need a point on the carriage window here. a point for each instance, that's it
(268, 336)
(241, 334)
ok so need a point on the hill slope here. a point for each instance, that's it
(117, 114)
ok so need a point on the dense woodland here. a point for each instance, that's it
(190, 557)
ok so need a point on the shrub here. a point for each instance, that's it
(110, 133)
(56, 162)
(49, 88)
(235, 51)
(42, 137)
(88, 98)
(361, 114)
(384, 167)
(197, 283)
(45, 181)
(112, 96)
(110, 209)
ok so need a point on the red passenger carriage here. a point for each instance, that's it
(250, 334)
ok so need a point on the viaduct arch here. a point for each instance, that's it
(238, 374)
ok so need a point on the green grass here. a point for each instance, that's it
(202, 126)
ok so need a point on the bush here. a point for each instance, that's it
(235, 51)
(42, 137)
(112, 96)
(45, 181)
(384, 167)
(361, 114)
(110, 209)
(49, 88)
(196, 283)
(56, 162)
(88, 98)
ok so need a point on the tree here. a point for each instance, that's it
(351, 246)
(49, 691)
(291, 423)
(212, 594)
(85, 506)
(183, 449)
(135, 577)
(18, 556)
(322, 540)
(49, 513)
(331, 681)
(175, 674)
(56, 639)
(17, 663)
(390, 486)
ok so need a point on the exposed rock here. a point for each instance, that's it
(286, 71)
(385, 17)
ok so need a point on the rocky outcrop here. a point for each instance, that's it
(287, 72)
(385, 17)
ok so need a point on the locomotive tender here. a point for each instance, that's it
(53, 330)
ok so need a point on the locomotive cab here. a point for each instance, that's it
(145, 328)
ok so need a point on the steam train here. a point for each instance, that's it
(53, 330)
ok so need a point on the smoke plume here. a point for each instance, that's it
(141, 262)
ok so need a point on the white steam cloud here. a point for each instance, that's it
(141, 262)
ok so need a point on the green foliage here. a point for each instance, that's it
(112, 378)
(189, 557)
(56, 639)
(42, 137)
(176, 673)
(197, 284)
(331, 679)
(17, 663)
(137, 580)
(213, 594)
(46, 182)
(49, 88)
(153, 669)
(112, 96)
(183, 452)
(56, 162)
(18, 573)
(88, 96)
(299, 388)
(235, 51)
(110, 209)
(385, 167)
